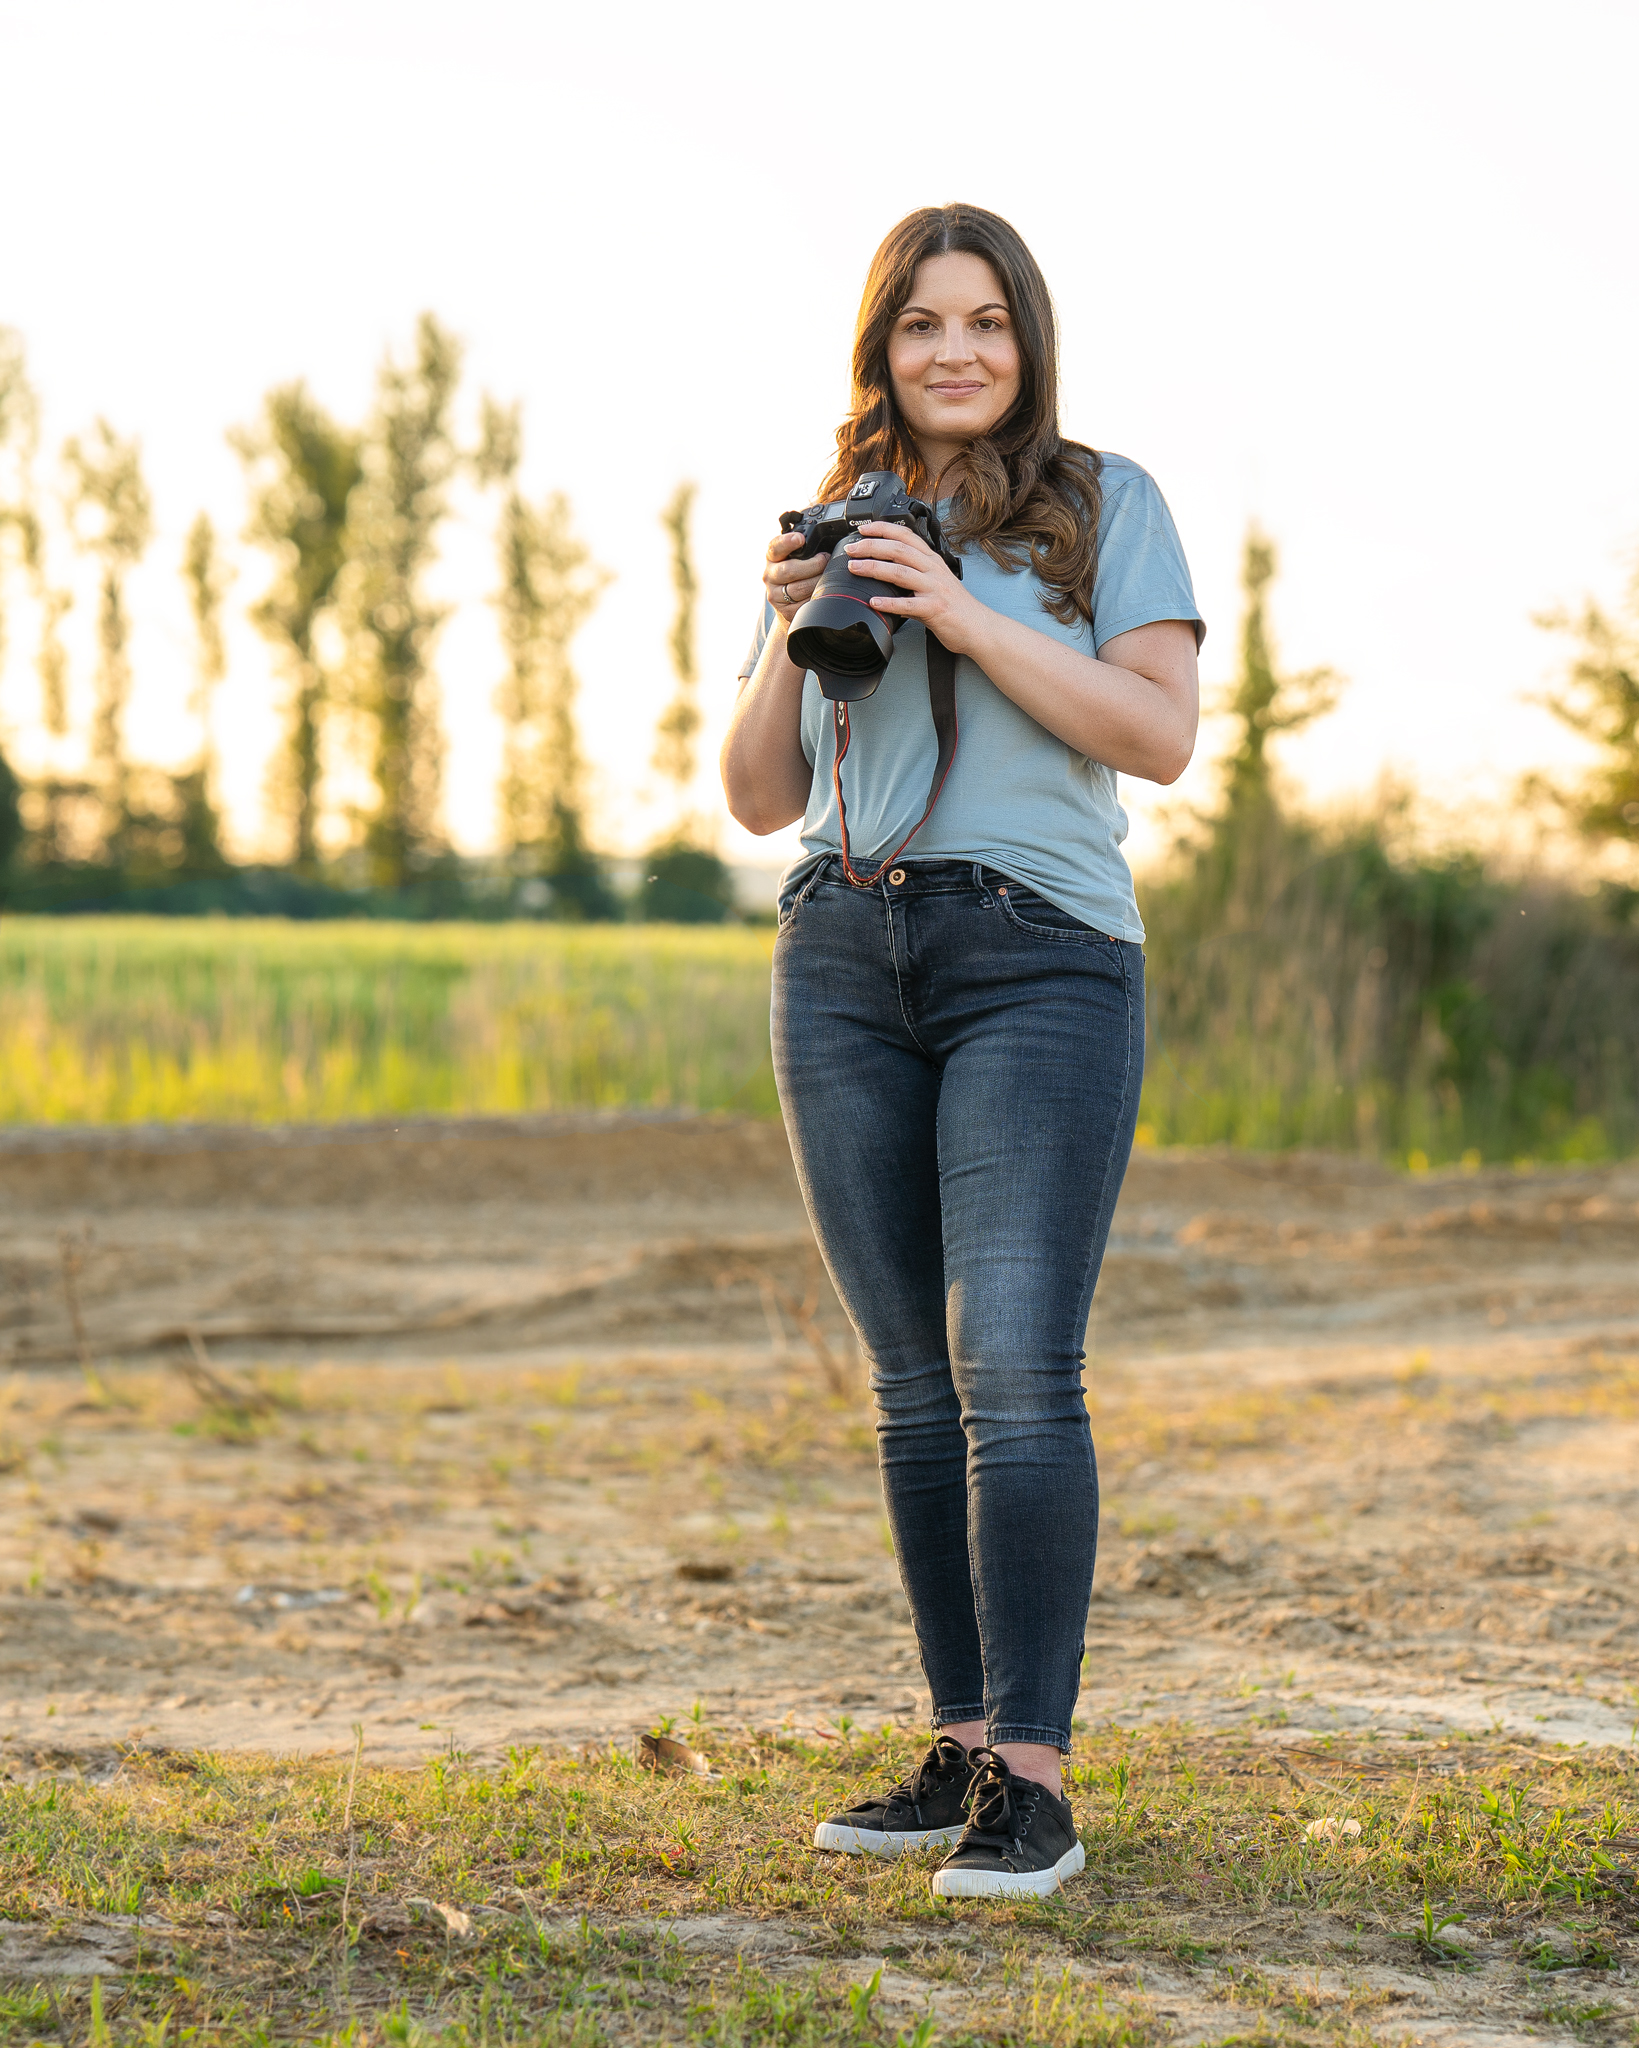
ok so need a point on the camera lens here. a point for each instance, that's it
(838, 636)
(846, 650)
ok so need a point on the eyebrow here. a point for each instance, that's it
(990, 306)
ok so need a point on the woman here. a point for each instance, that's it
(958, 1040)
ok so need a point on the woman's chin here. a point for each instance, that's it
(960, 420)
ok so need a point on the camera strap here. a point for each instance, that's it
(942, 703)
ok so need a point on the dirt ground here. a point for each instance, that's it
(1369, 1445)
(539, 1432)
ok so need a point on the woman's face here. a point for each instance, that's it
(953, 356)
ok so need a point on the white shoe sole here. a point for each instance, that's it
(847, 1841)
(1008, 1884)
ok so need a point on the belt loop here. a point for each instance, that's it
(980, 884)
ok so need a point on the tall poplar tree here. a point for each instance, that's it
(18, 419)
(680, 721)
(1599, 701)
(207, 577)
(1261, 700)
(22, 535)
(19, 430)
(684, 880)
(393, 517)
(549, 587)
(303, 468)
(198, 820)
(1251, 841)
(113, 520)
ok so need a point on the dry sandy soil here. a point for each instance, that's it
(536, 1432)
(1367, 1443)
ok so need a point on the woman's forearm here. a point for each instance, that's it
(1134, 707)
(1139, 720)
(766, 774)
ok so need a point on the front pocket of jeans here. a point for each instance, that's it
(804, 893)
(1071, 933)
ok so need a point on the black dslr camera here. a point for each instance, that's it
(836, 634)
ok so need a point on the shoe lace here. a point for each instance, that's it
(945, 1759)
(1001, 1808)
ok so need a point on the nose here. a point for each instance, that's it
(954, 345)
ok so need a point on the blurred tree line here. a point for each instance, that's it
(1322, 982)
(349, 519)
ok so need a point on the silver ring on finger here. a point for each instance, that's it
(785, 593)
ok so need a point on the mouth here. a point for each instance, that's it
(967, 387)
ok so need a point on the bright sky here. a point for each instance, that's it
(1365, 274)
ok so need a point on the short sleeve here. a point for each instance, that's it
(1142, 574)
(759, 640)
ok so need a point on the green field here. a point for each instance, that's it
(122, 1020)
(1314, 1027)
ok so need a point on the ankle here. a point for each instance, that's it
(1036, 1761)
(970, 1734)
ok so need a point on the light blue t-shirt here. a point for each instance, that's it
(1017, 798)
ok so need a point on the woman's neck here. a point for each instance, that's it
(942, 460)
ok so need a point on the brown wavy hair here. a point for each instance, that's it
(1022, 491)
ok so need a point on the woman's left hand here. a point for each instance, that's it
(894, 554)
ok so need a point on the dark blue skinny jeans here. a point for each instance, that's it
(959, 1064)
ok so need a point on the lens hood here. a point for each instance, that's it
(843, 641)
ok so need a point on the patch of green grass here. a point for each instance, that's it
(533, 1900)
(126, 1019)
(25, 2011)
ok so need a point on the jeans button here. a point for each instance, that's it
(897, 877)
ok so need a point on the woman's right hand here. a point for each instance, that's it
(766, 775)
(789, 585)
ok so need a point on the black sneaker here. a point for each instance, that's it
(1020, 1841)
(928, 1806)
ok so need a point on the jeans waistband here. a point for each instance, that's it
(922, 877)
